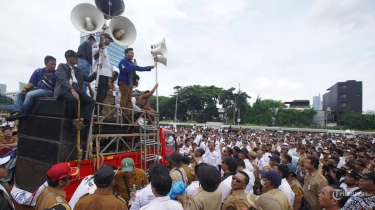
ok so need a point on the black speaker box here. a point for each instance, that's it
(48, 106)
(114, 129)
(46, 151)
(30, 174)
(51, 128)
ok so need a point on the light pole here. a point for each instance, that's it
(175, 112)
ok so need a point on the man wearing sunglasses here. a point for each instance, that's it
(58, 177)
(69, 86)
(237, 198)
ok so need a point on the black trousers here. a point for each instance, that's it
(101, 91)
(87, 104)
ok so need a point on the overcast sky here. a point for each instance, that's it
(278, 49)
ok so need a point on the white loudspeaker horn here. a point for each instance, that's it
(157, 44)
(122, 30)
(161, 59)
(161, 50)
(87, 18)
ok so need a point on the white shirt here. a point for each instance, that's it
(191, 188)
(248, 165)
(348, 190)
(164, 203)
(106, 65)
(292, 152)
(341, 163)
(261, 163)
(287, 190)
(134, 102)
(226, 187)
(249, 187)
(212, 158)
(142, 198)
(266, 158)
(187, 149)
(87, 185)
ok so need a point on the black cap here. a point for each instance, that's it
(104, 175)
(335, 158)
(354, 174)
(359, 162)
(370, 175)
(200, 150)
(237, 148)
(209, 177)
(275, 158)
(244, 151)
(175, 158)
(231, 163)
(69, 53)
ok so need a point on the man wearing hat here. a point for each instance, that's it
(5, 198)
(274, 160)
(145, 195)
(126, 79)
(129, 176)
(103, 197)
(366, 198)
(237, 197)
(69, 86)
(41, 84)
(324, 160)
(208, 195)
(350, 184)
(263, 202)
(177, 173)
(367, 160)
(58, 177)
(101, 61)
(85, 62)
(271, 181)
(359, 165)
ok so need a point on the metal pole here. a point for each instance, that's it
(234, 111)
(175, 112)
(157, 94)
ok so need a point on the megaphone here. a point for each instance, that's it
(161, 50)
(110, 8)
(157, 44)
(87, 18)
(161, 59)
(122, 30)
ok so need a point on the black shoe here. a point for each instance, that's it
(110, 120)
(15, 116)
(78, 125)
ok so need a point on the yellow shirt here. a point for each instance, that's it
(49, 197)
(139, 178)
(313, 185)
(236, 200)
(283, 200)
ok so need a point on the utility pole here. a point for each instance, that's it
(239, 108)
(175, 112)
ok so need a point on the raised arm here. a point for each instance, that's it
(152, 91)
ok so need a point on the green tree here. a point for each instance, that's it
(5, 100)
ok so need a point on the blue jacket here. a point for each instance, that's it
(126, 67)
(36, 79)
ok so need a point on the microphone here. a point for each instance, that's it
(135, 60)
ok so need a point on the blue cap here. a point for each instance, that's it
(292, 168)
(273, 176)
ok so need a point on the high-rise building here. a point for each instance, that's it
(3, 89)
(343, 96)
(115, 51)
(316, 102)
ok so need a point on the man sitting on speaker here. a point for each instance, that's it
(69, 86)
(127, 74)
(41, 84)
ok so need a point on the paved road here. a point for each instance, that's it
(271, 128)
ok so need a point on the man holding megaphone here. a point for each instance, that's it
(127, 74)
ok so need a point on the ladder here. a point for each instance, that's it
(149, 144)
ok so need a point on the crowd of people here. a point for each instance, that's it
(244, 169)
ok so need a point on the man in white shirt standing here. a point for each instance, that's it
(161, 184)
(284, 172)
(260, 161)
(212, 157)
(100, 56)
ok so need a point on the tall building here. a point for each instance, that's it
(316, 102)
(115, 51)
(3, 89)
(343, 96)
